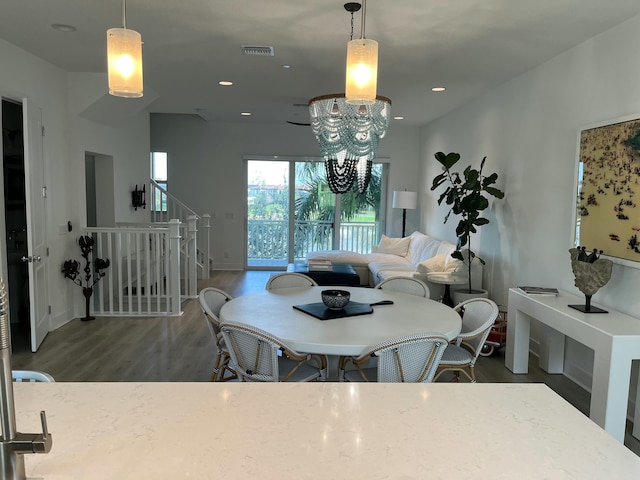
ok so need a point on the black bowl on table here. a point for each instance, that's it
(335, 299)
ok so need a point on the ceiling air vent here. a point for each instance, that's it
(258, 50)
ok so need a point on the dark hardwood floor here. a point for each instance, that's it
(121, 349)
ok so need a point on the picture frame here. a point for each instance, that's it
(607, 213)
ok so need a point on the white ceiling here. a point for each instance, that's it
(469, 46)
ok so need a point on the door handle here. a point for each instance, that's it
(31, 259)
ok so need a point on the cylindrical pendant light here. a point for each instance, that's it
(124, 52)
(362, 71)
(362, 67)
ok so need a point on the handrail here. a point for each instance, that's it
(155, 187)
(165, 206)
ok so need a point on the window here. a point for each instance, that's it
(291, 212)
(159, 175)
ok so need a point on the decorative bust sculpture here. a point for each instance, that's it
(592, 273)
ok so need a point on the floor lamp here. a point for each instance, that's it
(406, 201)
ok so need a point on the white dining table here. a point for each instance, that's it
(273, 312)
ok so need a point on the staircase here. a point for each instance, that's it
(165, 206)
(155, 266)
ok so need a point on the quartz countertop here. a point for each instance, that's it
(316, 430)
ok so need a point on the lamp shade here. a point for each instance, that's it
(362, 71)
(124, 52)
(404, 199)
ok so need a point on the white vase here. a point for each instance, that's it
(459, 295)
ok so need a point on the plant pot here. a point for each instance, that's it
(461, 294)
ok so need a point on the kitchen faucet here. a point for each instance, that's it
(13, 444)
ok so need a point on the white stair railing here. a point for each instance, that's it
(191, 258)
(165, 206)
(143, 278)
(187, 239)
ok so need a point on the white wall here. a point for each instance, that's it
(207, 172)
(528, 129)
(23, 75)
(63, 97)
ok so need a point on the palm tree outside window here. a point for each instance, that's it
(286, 220)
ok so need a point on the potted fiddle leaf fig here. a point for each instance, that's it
(466, 193)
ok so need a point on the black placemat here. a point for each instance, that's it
(320, 311)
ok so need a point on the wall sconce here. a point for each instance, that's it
(137, 198)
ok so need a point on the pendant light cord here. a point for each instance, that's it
(364, 17)
(124, 14)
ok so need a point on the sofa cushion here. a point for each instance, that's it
(385, 274)
(422, 247)
(443, 262)
(340, 257)
(452, 264)
(394, 246)
(445, 247)
(382, 270)
(433, 264)
(386, 258)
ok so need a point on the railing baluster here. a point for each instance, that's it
(99, 291)
(139, 259)
(266, 239)
(110, 294)
(146, 242)
(139, 273)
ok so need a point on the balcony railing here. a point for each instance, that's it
(268, 239)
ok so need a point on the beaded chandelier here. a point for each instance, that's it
(348, 136)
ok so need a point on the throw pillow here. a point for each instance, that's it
(394, 246)
(433, 264)
(453, 265)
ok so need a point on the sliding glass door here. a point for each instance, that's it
(286, 220)
(267, 213)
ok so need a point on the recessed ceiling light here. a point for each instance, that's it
(225, 83)
(398, 117)
(286, 66)
(61, 27)
(438, 89)
(246, 114)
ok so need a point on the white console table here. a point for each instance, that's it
(614, 338)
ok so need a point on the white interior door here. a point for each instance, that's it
(36, 222)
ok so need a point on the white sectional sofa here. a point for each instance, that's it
(414, 256)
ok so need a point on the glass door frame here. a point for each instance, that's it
(293, 160)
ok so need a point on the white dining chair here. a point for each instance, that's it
(211, 301)
(31, 376)
(409, 285)
(460, 356)
(408, 359)
(259, 356)
(289, 280)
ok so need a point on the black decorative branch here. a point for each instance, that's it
(71, 270)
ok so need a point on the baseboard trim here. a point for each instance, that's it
(57, 321)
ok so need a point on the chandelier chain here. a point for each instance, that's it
(351, 38)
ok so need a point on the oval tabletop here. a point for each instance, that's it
(273, 312)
